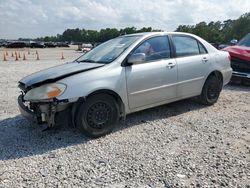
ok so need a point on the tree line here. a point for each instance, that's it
(214, 32)
(220, 32)
(92, 36)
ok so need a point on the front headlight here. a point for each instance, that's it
(47, 91)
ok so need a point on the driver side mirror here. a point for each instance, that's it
(137, 58)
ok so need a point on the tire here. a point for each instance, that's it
(211, 90)
(98, 115)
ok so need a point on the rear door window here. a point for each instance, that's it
(186, 46)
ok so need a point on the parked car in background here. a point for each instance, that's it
(85, 50)
(86, 47)
(124, 75)
(50, 44)
(221, 46)
(37, 45)
(232, 43)
(62, 44)
(216, 45)
(16, 44)
(3, 43)
(240, 59)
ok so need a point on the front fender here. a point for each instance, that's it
(83, 84)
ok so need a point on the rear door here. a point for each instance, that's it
(193, 65)
(154, 80)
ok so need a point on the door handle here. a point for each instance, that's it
(204, 60)
(171, 65)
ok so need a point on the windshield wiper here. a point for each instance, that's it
(87, 60)
(92, 61)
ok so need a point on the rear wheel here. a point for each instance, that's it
(211, 90)
(98, 115)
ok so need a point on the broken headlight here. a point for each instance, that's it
(47, 91)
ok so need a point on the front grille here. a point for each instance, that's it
(240, 65)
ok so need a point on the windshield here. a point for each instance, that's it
(108, 51)
(245, 41)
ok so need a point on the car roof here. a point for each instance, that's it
(158, 33)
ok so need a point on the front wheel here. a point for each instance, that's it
(211, 90)
(98, 115)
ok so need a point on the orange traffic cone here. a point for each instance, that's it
(16, 57)
(4, 57)
(62, 56)
(37, 57)
(12, 54)
(24, 57)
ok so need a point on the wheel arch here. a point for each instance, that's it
(81, 100)
(216, 73)
(116, 97)
(112, 93)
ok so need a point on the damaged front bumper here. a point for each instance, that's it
(25, 111)
(241, 69)
(41, 112)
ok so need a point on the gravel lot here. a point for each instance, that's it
(183, 144)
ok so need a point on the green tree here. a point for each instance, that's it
(214, 32)
(220, 32)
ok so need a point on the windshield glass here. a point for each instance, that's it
(245, 41)
(108, 51)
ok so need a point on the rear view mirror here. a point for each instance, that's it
(137, 58)
(234, 42)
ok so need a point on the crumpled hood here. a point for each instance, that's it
(241, 52)
(56, 73)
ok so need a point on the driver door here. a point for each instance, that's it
(154, 80)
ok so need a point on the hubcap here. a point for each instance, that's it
(212, 91)
(98, 115)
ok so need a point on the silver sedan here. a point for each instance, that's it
(122, 76)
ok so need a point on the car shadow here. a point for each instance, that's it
(19, 138)
(160, 112)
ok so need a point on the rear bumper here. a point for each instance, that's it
(227, 74)
(25, 111)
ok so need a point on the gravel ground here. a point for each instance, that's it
(182, 144)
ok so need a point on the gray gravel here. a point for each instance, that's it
(182, 144)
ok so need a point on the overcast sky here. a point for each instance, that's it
(35, 18)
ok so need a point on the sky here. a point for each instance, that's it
(37, 18)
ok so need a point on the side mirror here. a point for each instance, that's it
(233, 41)
(137, 58)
